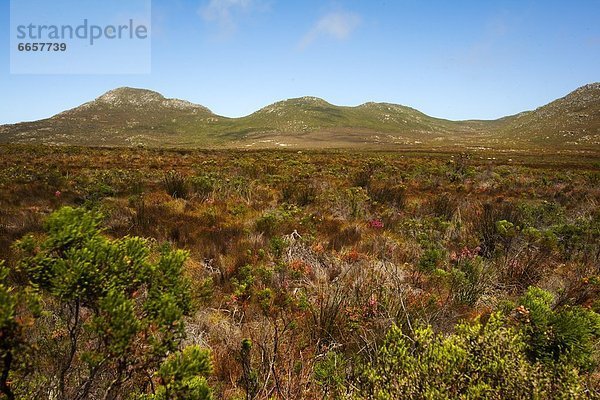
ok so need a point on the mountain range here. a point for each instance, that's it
(139, 117)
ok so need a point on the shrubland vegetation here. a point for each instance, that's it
(156, 274)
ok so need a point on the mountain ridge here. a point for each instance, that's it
(128, 116)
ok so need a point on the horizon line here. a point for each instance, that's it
(303, 97)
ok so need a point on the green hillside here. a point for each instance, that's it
(573, 120)
(138, 117)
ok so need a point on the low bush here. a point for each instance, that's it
(176, 185)
(111, 313)
(479, 360)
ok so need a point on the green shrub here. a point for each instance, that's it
(249, 379)
(356, 200)
(580, 239)
(477, 361)
(362, 178)
(299, 192)
(203, 185)
(460, 168)
(567, 335)
(176, 185)
(183, 376)
(115, 309)
(268, 223)
(17, 308)
(430, 260)
(276, 220)
(487, 228)
(470, 279)
(442, 206)
(330, 374)
(393, 195)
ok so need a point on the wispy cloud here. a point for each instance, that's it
(336, 25)
(224, 13)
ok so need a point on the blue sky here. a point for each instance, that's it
(450, 59)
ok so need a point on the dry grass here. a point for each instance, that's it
(306, 252)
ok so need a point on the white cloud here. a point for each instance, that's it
(223, 13)
(337, 25)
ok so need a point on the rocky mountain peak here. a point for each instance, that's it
(126, 96)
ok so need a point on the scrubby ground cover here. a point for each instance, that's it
(305, 274)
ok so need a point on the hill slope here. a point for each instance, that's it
(570, 120)
(120, 117)
(126, 116)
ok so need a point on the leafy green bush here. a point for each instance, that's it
(430, 260)
(470, 278)
(249, 379)
(276, 220)
(17, 310)
(580, 239)
(203, 185)
(567, 335)
(476, 361)
(183, 376)
(113, 311)
(330, 374)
